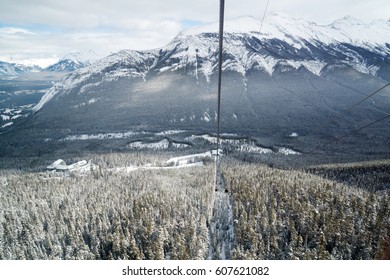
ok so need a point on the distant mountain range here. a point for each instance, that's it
(74, 61)
(15, 69)
(68, 63)
(292, 76)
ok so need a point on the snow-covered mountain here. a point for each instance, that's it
(14, 69)
(74, 61)
(68, 63)
(284, 42)
(289, 77)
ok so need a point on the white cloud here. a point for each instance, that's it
(47, 28)
(102, 13)
(6, 31)
(325, 12)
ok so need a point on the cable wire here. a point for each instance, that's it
(262, 20)
(348, 133)
(363, 127)
(220, 52)
(364, 99)
(350, 109)
(221, 21)
(261, 25)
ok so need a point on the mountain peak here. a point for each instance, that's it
(82, 57)
(74, 60)
(282, 15)
(16, 69)
(242, 24)
(297, 31)
(246, 24)
(346, 22)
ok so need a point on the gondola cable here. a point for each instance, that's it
(220, 52)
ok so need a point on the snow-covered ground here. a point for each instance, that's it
(118, 135)
(287, 152)
(242, 144)
(252, 148)
(9, 115)
(159, 145)
(169, 132)
(188, 161)
(102, 136)
(5, 117)
(232, 141)
(7, 124)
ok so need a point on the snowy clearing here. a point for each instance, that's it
(242, 144)
(101, 136)
(187, 161)
(160, 145)
(286, 151)
(169, 132)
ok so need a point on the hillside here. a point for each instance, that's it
(293, 77)
(167, 214)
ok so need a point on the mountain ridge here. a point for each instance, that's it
(272, 87)
(199, 46)
(73, 61)
(16, 69)
(68, 63)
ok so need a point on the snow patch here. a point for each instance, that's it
(207, 70)
(314, 66)
(15, 117)
(287, 152)
(5, 118)
(89, 86)
(242, 144)
(7, 124)
(93, 100)
(206, 117)
(78, 106)
(179, 145)
(161, 145)
(101, 136)
(251, 148)
(122, 73)
(169, 132)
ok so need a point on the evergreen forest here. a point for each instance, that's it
(112, 213)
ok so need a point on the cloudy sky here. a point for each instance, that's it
(42, 31)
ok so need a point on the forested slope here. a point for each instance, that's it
(166, 214)
(294, 215)
(139, 215)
